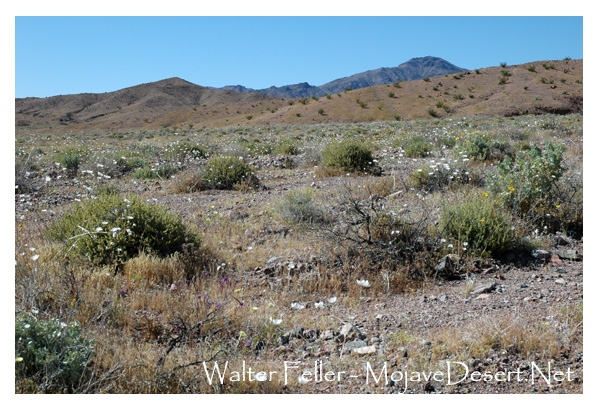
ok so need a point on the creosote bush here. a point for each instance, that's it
(111, 229)
(71, 161)
(417, 147)
(479, 226)
(226, 172)
(349, 155)
(50, 355)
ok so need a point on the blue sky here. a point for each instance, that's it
(67, 55)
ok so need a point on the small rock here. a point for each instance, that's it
(556, 261)
(482, 297)
(443, 298)
(561, 240)
(448, 266)
(541, 255)
(560, 281)
(370, 349)
(349, 332)
(328, 335)
(568, 255)
(484, 289)
(273, 260)
(356, 344)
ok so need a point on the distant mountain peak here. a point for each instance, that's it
(413, 69)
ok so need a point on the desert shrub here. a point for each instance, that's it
(478, 226)
(110, 229)
(185, 149)
(528, 180)
(107, 189)
(50, 354)
(417, 146)
(165, 171)
(223, 173)
(128, 164)
(350, 155)
(476, 147)
(300, 208)
(144, 173)
(563, 209)
(443, 176)
(71, 161)
(287, 147)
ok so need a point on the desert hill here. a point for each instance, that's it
(532, 88)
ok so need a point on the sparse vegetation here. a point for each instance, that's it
(389, 213)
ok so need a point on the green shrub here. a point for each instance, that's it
(437, 177)
(475, 147)
(166, 170)
(71, 161)
(110, 229)
(162, 171)
(50, 353)
(432, 113)
(300, 208)
(287, 147)
(479, 226)
(127, 164)
(528, 180)
(349, 155)
(418, 147)
(144, 173)
(225, 172)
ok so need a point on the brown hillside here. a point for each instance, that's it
(551, 87)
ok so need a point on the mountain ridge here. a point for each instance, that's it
(555, 86)
(414, 69)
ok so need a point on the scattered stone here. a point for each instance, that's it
(443, 298)
(273, 260)
(448, 266)
(541, 255)
(370, 349)
(349, 332)
(482, 297)
(561, 240)
(556, 261)
(484, 289)
(568, 255)
(352, 345)
(328, 335)
(560, 281)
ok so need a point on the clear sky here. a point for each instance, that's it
(67, 55)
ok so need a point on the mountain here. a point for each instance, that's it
(554, 86)
(413, 69)
(167, 101)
